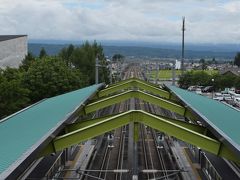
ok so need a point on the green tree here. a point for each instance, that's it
(185, 80)
(27, 61)
(214, 61)
(201, 78)
(66, 54)
(37, 79)
(84, 59)
(50, 77)
(224, 81)
(237, 59)
(118, 58)
(11, 74)
(13, 94)
(42, 53)
(103, 70)
(191, 78)
(237, 83)
(203, 64)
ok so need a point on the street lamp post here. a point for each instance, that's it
(213, 87)
(97, 65)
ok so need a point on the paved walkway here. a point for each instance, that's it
(184, 162)
(81, 160)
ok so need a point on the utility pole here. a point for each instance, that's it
(120, 70)
(96, 70)
(183, 29)
(148, 72)
(110, 67)
(173, 73)
(157, 72)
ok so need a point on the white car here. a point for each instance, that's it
(191, 88)
(198, 91)
(227, 97)
(218, 97)
(237, 102)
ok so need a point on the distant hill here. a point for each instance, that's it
(165, 53)
(51, 49)
(168, 51)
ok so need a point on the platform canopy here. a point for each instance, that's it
(220, 118)
(26, 132)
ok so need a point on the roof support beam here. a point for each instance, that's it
(189, 136)
(78, 125)
(81, 124)
(88, 132)
(128, 80)
(135, 94)
(181, 132)
(190, 126)
(134, 83)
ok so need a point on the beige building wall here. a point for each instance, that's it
(13, 51)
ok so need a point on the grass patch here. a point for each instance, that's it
(167, 74)
(210, 72)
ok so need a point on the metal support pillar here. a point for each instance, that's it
(135, 163)
(132, 146)
(135, 149)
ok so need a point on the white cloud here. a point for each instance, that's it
(156, 20)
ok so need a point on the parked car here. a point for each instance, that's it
(237, 102)
(225, 91)
(191, 88)
(198, 91)
(237, 91)
(227, 97)
(208, 89)
(218, 97)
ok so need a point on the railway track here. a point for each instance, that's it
(111, 159)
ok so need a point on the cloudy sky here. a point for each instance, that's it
(207, 21)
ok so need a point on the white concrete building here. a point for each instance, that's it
(178, 64)
(13, 49)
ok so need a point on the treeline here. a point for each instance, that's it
(46, 76)
(202, 78)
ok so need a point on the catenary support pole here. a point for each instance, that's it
(96, 71)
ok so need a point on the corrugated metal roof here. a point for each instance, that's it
(19, 134)
(221, 117)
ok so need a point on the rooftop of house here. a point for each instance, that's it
(233, 70)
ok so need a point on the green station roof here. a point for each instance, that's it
(222, 118)
(22, 132)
